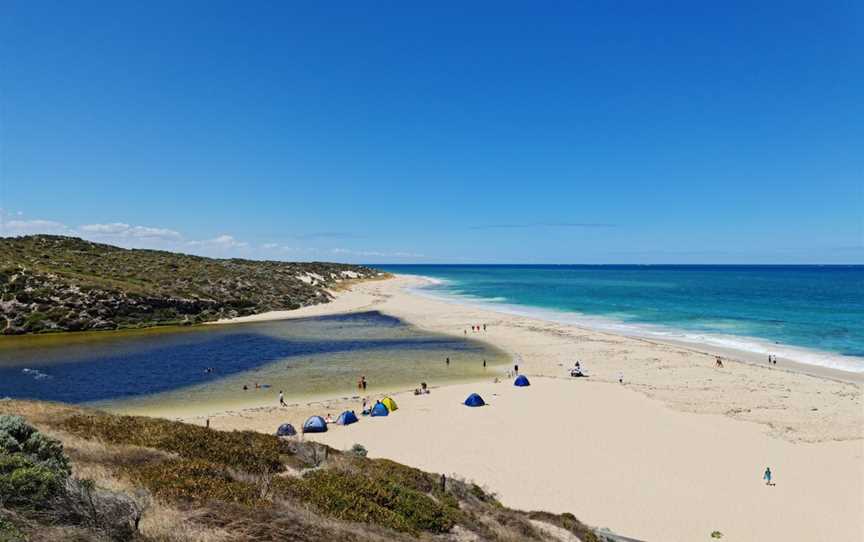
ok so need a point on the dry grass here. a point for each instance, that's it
(165, 523)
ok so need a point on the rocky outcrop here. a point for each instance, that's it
(53, 283)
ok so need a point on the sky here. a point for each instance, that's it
(439, 132)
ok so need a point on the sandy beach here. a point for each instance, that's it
(673, 454)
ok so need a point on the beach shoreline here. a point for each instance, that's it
(356, 299)
(680, 445)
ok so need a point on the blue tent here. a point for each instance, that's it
(286, 430)
(315, 424)
(474, 400)
(521, 380)
(347, 418)
(379, 410)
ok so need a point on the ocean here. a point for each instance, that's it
(811, 314)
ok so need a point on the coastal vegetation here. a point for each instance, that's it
(74, 474)
(53, 283)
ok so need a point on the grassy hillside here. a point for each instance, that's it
(54, 283)
(132, 478)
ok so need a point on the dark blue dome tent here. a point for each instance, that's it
(379, 410)
(286, 430)
(315, 424)
(521, 380)
(474, 400)
(347, 418)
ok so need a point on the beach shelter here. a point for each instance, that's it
(286, 430)
(347, 418)
(379, 410)
(389, 403)
(315, 424)
(474, 400)
(521, 380)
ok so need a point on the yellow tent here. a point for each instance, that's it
(390, 404)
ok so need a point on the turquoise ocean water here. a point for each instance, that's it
(813, 314)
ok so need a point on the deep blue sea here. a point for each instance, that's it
(813, 314)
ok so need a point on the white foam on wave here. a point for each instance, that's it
(752, 345)
(38, 375)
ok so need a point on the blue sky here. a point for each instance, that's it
(465, 132)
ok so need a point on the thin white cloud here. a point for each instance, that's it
(31, 227)
(121, 234)
(223, 241)
(13, 224)
(120, 229)
(376, 253)
(224, 245)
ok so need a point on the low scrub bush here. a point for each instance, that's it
(194, 480)
(32, 466)
(369, 499)
(35, 478)
(26, 483)
(243, 450)
(18, 437)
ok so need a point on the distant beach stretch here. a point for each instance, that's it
(660, 429)
(808, 314)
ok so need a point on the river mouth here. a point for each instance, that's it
(238, 366)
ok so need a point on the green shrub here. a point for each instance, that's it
(24, 482)
(17, 436)
(193, 480)
(369, 499)
(9, 532)
(16, 427)
(9, 444)
(385, 469)
(243, 450)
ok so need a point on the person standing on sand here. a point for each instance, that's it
(484, 363)
(484, 327)
(447, 362)
(767, 476)
(282, 399)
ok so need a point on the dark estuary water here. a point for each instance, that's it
(309, 357)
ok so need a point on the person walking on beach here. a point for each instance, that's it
(282, 399)
(484, 327)
(363, 382)
(484, 363)
(447, 362)
(767, 476)
(516, 369)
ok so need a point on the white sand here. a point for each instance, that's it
(669, 456)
